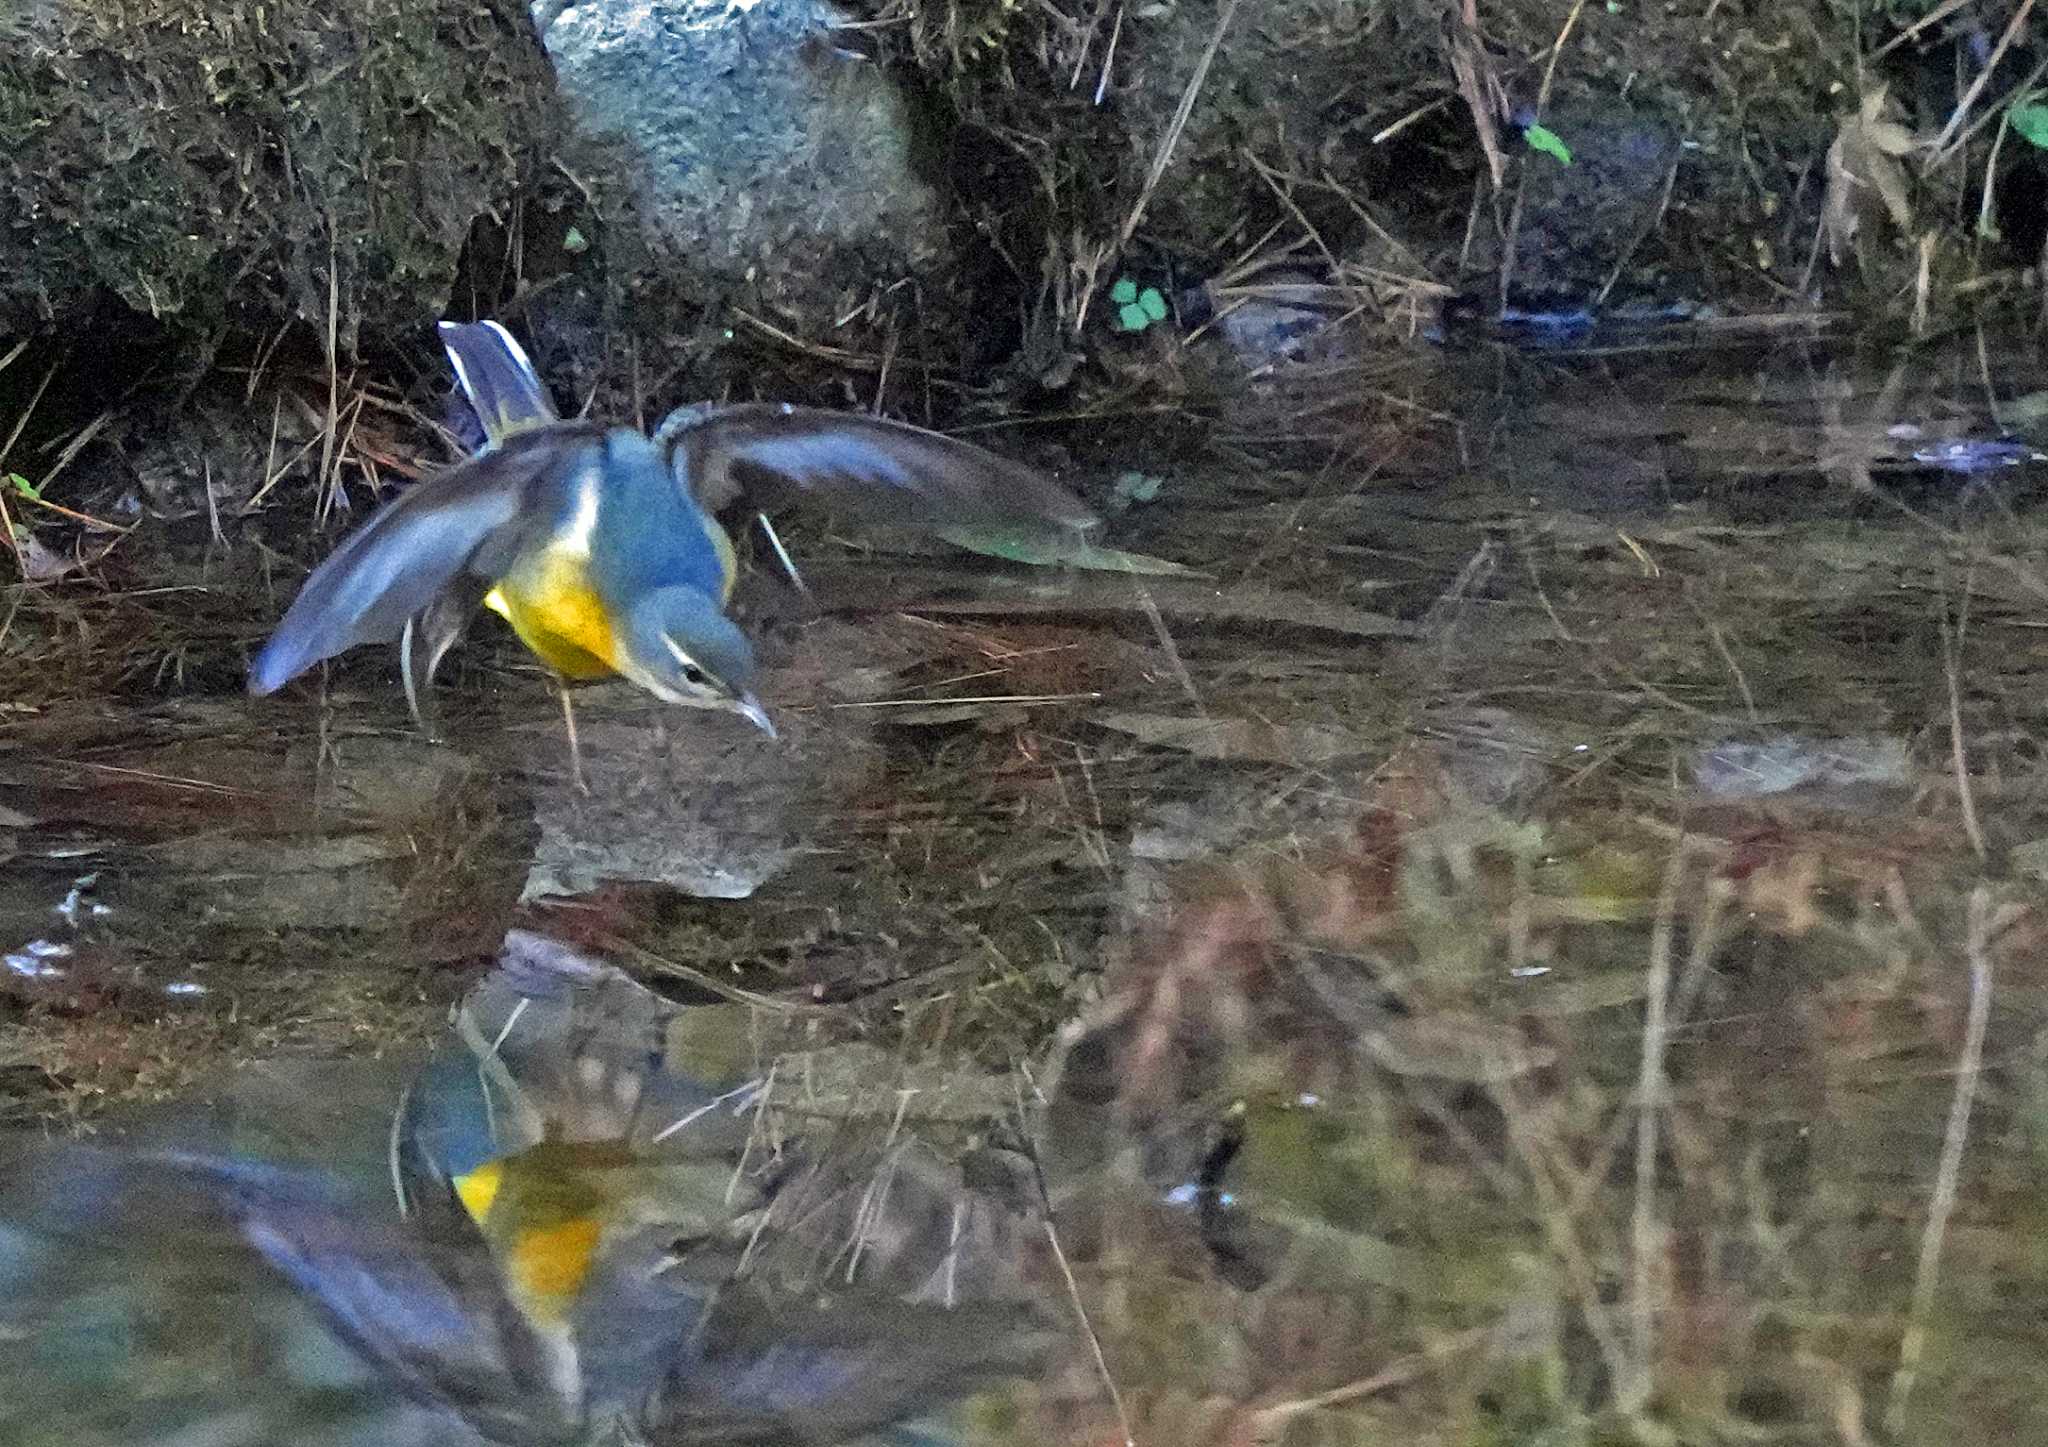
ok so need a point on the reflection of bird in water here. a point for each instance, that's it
(586, 1244)
(601, 547)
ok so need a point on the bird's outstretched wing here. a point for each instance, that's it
(430, 1315)
(798, 1375)
(470, 518)
(496, 377)
(868, 468)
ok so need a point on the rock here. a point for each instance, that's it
(683, 797)
(755, 150)
(1817, 768)
(696, 800)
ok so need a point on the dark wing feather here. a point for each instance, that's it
(797, 1376)
(866, 467)
(432, 1316)
(496, 377)
(471, 517)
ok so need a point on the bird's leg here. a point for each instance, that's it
(575, 749)
(409, 669)
(782, 554)
(428, 636)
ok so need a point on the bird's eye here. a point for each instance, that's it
(693, 675)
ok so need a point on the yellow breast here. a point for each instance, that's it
(544, 1223)
(560, 619)
(549, 1263)
(550, 603)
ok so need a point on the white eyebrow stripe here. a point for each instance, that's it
(677, 649)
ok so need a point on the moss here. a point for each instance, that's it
(186, 155)
(1355, 112)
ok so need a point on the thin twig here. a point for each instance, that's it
(212, 506)
(68, 453)
(1644, 232)
(1938, 151)
(1720, 640)
(1366, 219)
(1388, 132)
(1556, 1221)
(1087, 43)
(28, 411)
(13, 541)
(838, 356)
(1280, 194)
(1556, 50)
(1464, 47)
(1913, 1344)
(941, 701)
(1931, 18)
(1650, 1102)
(327, 433)
(1179, 123)
(1397, 1373)
(1116, 33)
(1116, 1398)
(1173, 658)
(1951, 663)
(1923, 284)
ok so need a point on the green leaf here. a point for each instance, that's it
(1542, 138)
(1152, 303)
(23, 486)
(575, 241)
(2031, 121)
(1057, 547)
(1130, 317)
(1124, 292)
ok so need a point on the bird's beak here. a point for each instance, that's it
(749, 708)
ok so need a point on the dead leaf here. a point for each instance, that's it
(1239, 738)
(1044, 548)
(38, 563)
(941, 593)
(1862, 160)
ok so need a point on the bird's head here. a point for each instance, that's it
(679, 645)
